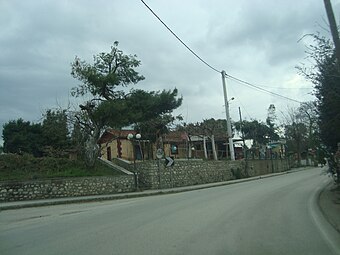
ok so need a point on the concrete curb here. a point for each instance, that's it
(70, 200)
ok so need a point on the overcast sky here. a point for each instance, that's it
(253, 40)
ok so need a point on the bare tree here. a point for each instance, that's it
(295, 132)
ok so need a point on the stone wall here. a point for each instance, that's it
(155, 175)
(152, 174)
(262, 167)
(65, 187)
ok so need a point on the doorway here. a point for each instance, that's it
(108, 153)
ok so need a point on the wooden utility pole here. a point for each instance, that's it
(334, 28)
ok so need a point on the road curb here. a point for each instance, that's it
(59, 201)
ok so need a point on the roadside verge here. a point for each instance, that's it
(329, 204)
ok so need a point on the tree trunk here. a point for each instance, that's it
(213, 147)
(92, 152)
(298, 145)
(189, 148)
(92, 149)
(205, 147)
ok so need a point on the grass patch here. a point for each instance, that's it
(27, 167)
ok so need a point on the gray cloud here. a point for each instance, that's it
(253, 40)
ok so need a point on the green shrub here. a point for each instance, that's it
(27, 167)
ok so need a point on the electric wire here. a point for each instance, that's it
(261, 89)
(270, 87)
(243, 108)
(210, 66)
(179, 39)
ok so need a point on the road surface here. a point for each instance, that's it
(277, 215)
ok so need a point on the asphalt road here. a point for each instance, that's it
(277, 215)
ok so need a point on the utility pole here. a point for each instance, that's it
(244, 144)
(333, 27)
(226, 104)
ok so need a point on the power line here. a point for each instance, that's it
(210, 66)
(261, 89)
(179, 39)
(270, 87)
(244, 108)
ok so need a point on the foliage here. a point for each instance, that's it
(208, 128)
(144, 105)
(153, 129)
(256, 130)
(150, 112)
(22, 136)
(308, 114)
(113, 107)
(27, 167)
(108, 71)
(325, 75)
(55, 132)
(271, 123)
(212, 128)
(216, 127)
(78, 139)
(328, 95)
(107, 106)
(295, 132)
(50, 137)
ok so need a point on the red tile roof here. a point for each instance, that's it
(111, 134)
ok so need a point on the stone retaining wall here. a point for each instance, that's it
(65, 187)
(262, 167)
(152, 174)
(155, 175)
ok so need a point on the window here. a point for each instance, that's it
(174, 148)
